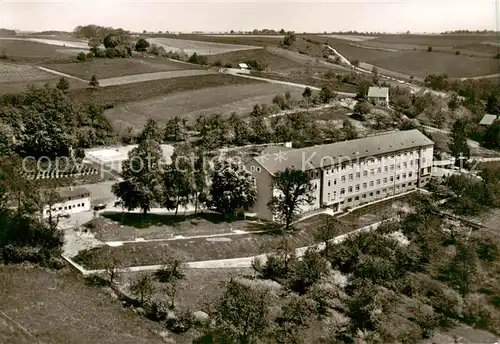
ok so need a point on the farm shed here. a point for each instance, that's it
(71, 201)
(379, 95)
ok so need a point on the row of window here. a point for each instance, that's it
(68, 207)
(372, 171)
(377, 193)
(391, 179)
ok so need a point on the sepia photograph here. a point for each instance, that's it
(249, 172)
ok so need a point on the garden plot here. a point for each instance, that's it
(198, 47)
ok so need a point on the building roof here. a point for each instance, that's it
(488, 119)
(331, 154)
(378, 92)
(242, 65)
(73, 192)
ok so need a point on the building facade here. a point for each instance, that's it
(350, 173)
(71, 201)
(379, 95)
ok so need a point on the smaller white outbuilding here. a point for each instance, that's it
(72, 201)
(243, 66)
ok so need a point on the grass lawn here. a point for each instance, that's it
(110, 227)
(111, 68)
(199, 249)
(144, 90)
(56, 307)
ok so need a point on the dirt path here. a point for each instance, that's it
(235, 72)
(61, 74)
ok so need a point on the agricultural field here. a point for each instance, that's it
(57, 307)
(112, 68)
(121, 94)
(201, 48)
(352, 38)
(418, 62)
(193, 102)
(234, 39)
(16, 77)
(28, 51)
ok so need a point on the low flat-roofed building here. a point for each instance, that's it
(349, 173)
(488, 120)
(71, 201)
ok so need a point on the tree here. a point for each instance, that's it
(142, 45)
(493, 103)
(232, 190)
(429, 49)
(179, 179)
(240, 130)
(289, 38)
(142, 186)
(151, 131)
(142, 287)
(349, 130)
(94, 83)
(279, 101)
(294, 190)
(175, 130)
(462, 269)
(325, 95)
(63, 85)
(458, 141)
(327, 231)
(241, 314)
(295, 316)
(307, 271)
(94, 44)
(491, 138)
(111, 41)
(306, 95)
(282, 31)
(361, 108)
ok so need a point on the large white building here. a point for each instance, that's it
(349, 173)
(72, 200)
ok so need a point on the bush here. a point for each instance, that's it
(156, 311)
(181, 323)
(429, 49)
(100, 53)
(457, 52)
(110, 53)
(228, 65)
(121, 51)
(96, 280)
(81, 56)
(217, 63)
(254, 64)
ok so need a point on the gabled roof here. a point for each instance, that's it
(242, 65)
(331, 154)
(488, 119)
(378, 92)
